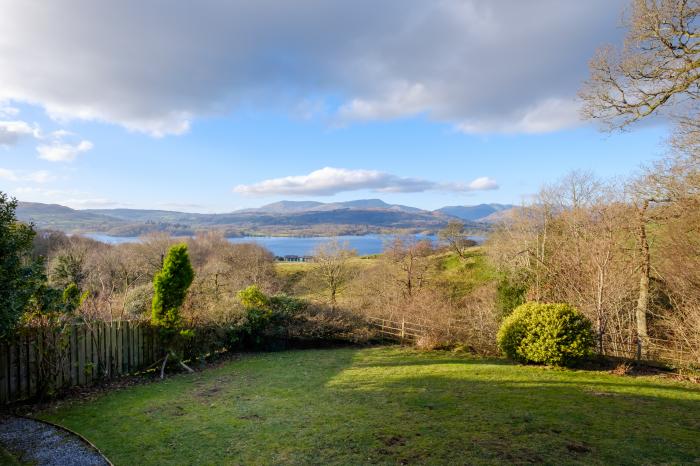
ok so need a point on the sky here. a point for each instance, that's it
(215, 106)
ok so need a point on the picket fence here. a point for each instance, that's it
(39, 359)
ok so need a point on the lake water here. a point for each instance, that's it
(298, 246)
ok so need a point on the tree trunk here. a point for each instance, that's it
(333, 300)
(599, 309)
(644, 274)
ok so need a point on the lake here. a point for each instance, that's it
(297, 246)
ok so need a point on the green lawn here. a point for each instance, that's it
(6, 459)
(391, 405)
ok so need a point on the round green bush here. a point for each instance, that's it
(556, 334)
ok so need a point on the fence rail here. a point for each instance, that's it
(654, 350)
(38, 359)
(615, 345)
(401, 330)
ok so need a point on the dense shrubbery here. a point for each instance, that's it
(263, 318)
(509, 295)
(282, 319)
(20, 275)
(555, 334)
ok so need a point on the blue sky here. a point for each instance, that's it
(129, 117)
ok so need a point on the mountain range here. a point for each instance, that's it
(280, 218)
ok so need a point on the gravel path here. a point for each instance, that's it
(38, 443)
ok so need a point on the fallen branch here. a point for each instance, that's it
(162, 368)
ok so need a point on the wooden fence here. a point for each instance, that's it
(399, 330)
(672, 352)
(657, 350)
(41, 359)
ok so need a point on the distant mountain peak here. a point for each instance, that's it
(474, 213)
(288, 207)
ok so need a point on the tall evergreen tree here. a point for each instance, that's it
(170, 286)
(20, 275)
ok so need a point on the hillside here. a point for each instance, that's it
(475, 213)
(58, 217)
(281, 218)
(287, 207)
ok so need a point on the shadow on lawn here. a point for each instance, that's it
(542, 421)
(322, 407)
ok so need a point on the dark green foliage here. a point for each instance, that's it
(285, 305)
(72, 297)
(265, 317)
(170, 287)
(509, 295)
(45, 301)
(20, 275)
(48, 301)
(206, 341)
(67, 269)
(556, 334)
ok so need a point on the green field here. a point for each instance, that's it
(457, 276)
(391, 405)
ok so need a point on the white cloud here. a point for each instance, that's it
(8, 175)
(483, 183)
(40, 176)
(12, 131)
(404, 100)
(328, 181)
(58, 151)
(543, 117)
(7, 111)
(478, 64)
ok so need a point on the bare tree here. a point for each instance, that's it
(456, 238)
(658, 67)
(671, 191)
(332, 269)
(411, 258)
(571, 245)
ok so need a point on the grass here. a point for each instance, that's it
(293, 273)
(458, 275)
(462, 275)
(8, 459)
(390, 405)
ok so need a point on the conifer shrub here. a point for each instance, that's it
(170, 286)
(556, 334)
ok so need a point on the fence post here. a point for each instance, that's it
(403, 328)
